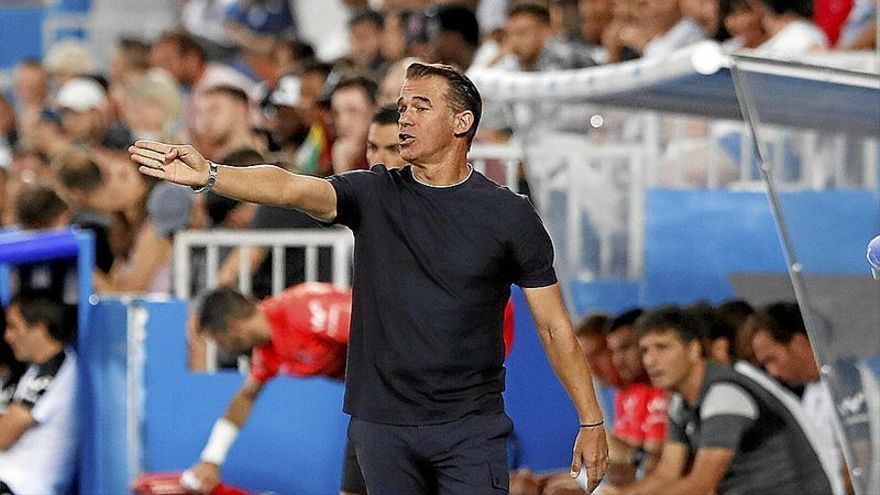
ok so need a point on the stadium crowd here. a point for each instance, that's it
(236, 80)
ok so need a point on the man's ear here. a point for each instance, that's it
(463, 122)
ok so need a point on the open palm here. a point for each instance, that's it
(180, 164)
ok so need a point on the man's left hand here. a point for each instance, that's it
(591, 451)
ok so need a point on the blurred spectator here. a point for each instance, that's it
(205, 20)
(365, 30)
(181, 56)
(291, 56)
(31, 92)
(383, 143)
(38, 438)
(92, 204)
(744, 21)
(389, 88)
(736, 312)
(314, 155)
(791, 30)
(224, 113)
(8, 131)
(284, 123)
(595, 16)
(353, 102)
(533, 45)
(623, 31)
(152, 107)
(82, 102)
(453, 35)
(394, 34)
(639, 407)
(67, 60)
(707, 14)
(859, 32)
(255, 26)
(664, 29)
(740, 437)
(565, 20)
(718, 334)
(783, 349)
(591, 336)
(129, 61)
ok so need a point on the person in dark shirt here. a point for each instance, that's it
(437, 246)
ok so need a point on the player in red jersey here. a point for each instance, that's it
(302, 331)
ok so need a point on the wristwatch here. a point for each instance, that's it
(212, 179)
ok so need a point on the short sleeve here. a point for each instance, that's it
(726, 412)
(532, 249)
(351, 188)
(169, 207)
(264, 366)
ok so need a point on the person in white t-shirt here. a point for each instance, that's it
(38, 427)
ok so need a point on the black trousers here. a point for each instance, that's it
(4, 489)
(467, 456)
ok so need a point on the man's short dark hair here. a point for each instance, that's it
(367, 15)
(461, 93)
(386, 115)
(367, 85)
(593, 325)
(184, 42)
(38, 207)
(77, 171)
(222, 306)
(37, 308)
(539, 12)
(666, 318)
(625, 319)
(233, 92)
(782, 321)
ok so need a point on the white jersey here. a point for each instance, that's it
(42, 460)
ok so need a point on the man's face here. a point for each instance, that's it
(596, 351)
(80, 126)
(595, 16)
(426, 121)
(526, 36)
(625, 354)
(21, 337)
(383, 146)
(352, 112)
(667, 360)
(790, 362)
(218, 115)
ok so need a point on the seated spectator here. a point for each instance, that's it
(707, 14)
(664, 29)
(226, 126)
(353, 102)
(596, 16)
(8, 131)
(68, 59)
(151, 109)
(859, 31)
(744, 20)
(383, 143)
(284, 123)
(389, 87)
(83, 105)
(129, 61)
(31, 94)
(736, 312)
(639, 408)
(783, 349)
(314, 155)
(741, 438)
(38, 439)
(365, 30)
(291, 57)
(11, 369)
(791, 30)
(717, 333)
(533, 44)
(453, 35)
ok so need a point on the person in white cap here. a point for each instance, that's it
(82, 102)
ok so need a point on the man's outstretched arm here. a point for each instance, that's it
(264, 184)
(570, 364)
